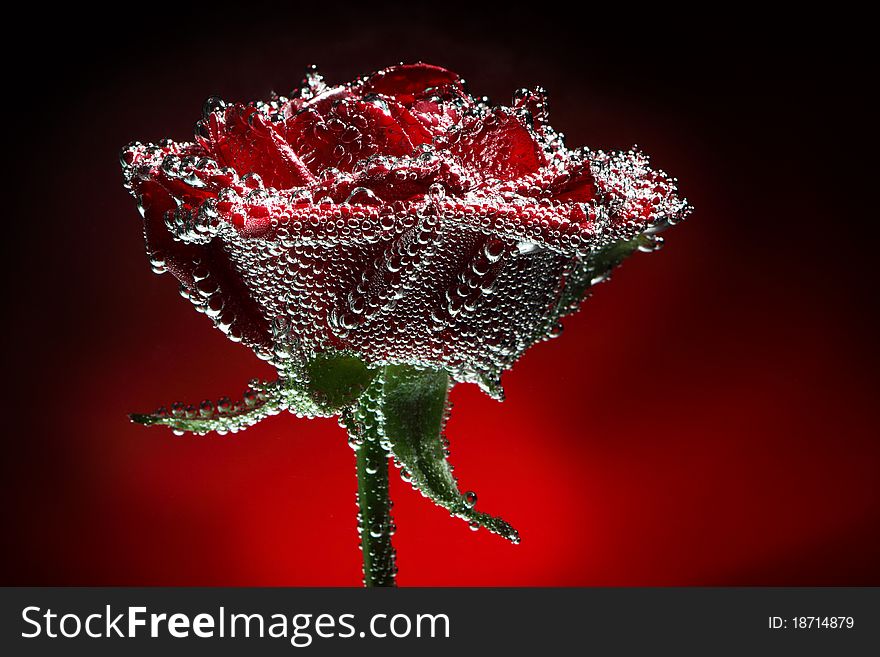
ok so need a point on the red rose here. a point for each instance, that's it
(378, 239)
(395, 217)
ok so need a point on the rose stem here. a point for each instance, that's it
(375, 514)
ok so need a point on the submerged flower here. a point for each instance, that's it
(378, 242)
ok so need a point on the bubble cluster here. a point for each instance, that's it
(224, 416)
(395, 217)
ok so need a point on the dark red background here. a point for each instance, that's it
(708, 418)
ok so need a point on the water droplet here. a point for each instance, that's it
(212, 104)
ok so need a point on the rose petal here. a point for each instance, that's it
(203, 269)
(498, 146)
(574, 182)
(408, 80)
(348, 131)
(243, 138)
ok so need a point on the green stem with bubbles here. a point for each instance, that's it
(375, 523)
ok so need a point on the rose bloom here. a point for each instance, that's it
(396, 219)
(378, 242)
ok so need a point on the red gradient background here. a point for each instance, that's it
(709, 418)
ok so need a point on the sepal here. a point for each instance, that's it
(414, 409)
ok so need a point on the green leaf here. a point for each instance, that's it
(259, 402)
(414, 410)
(592, 270)
(331, 382)
(223, 416)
